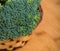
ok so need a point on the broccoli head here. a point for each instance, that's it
(18, 18)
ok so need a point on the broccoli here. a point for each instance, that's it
(18, 18)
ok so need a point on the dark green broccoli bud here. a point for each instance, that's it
(18, 18)
(3, 2)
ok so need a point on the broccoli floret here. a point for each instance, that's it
(18, 18)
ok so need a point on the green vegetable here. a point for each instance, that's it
(18, 18)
